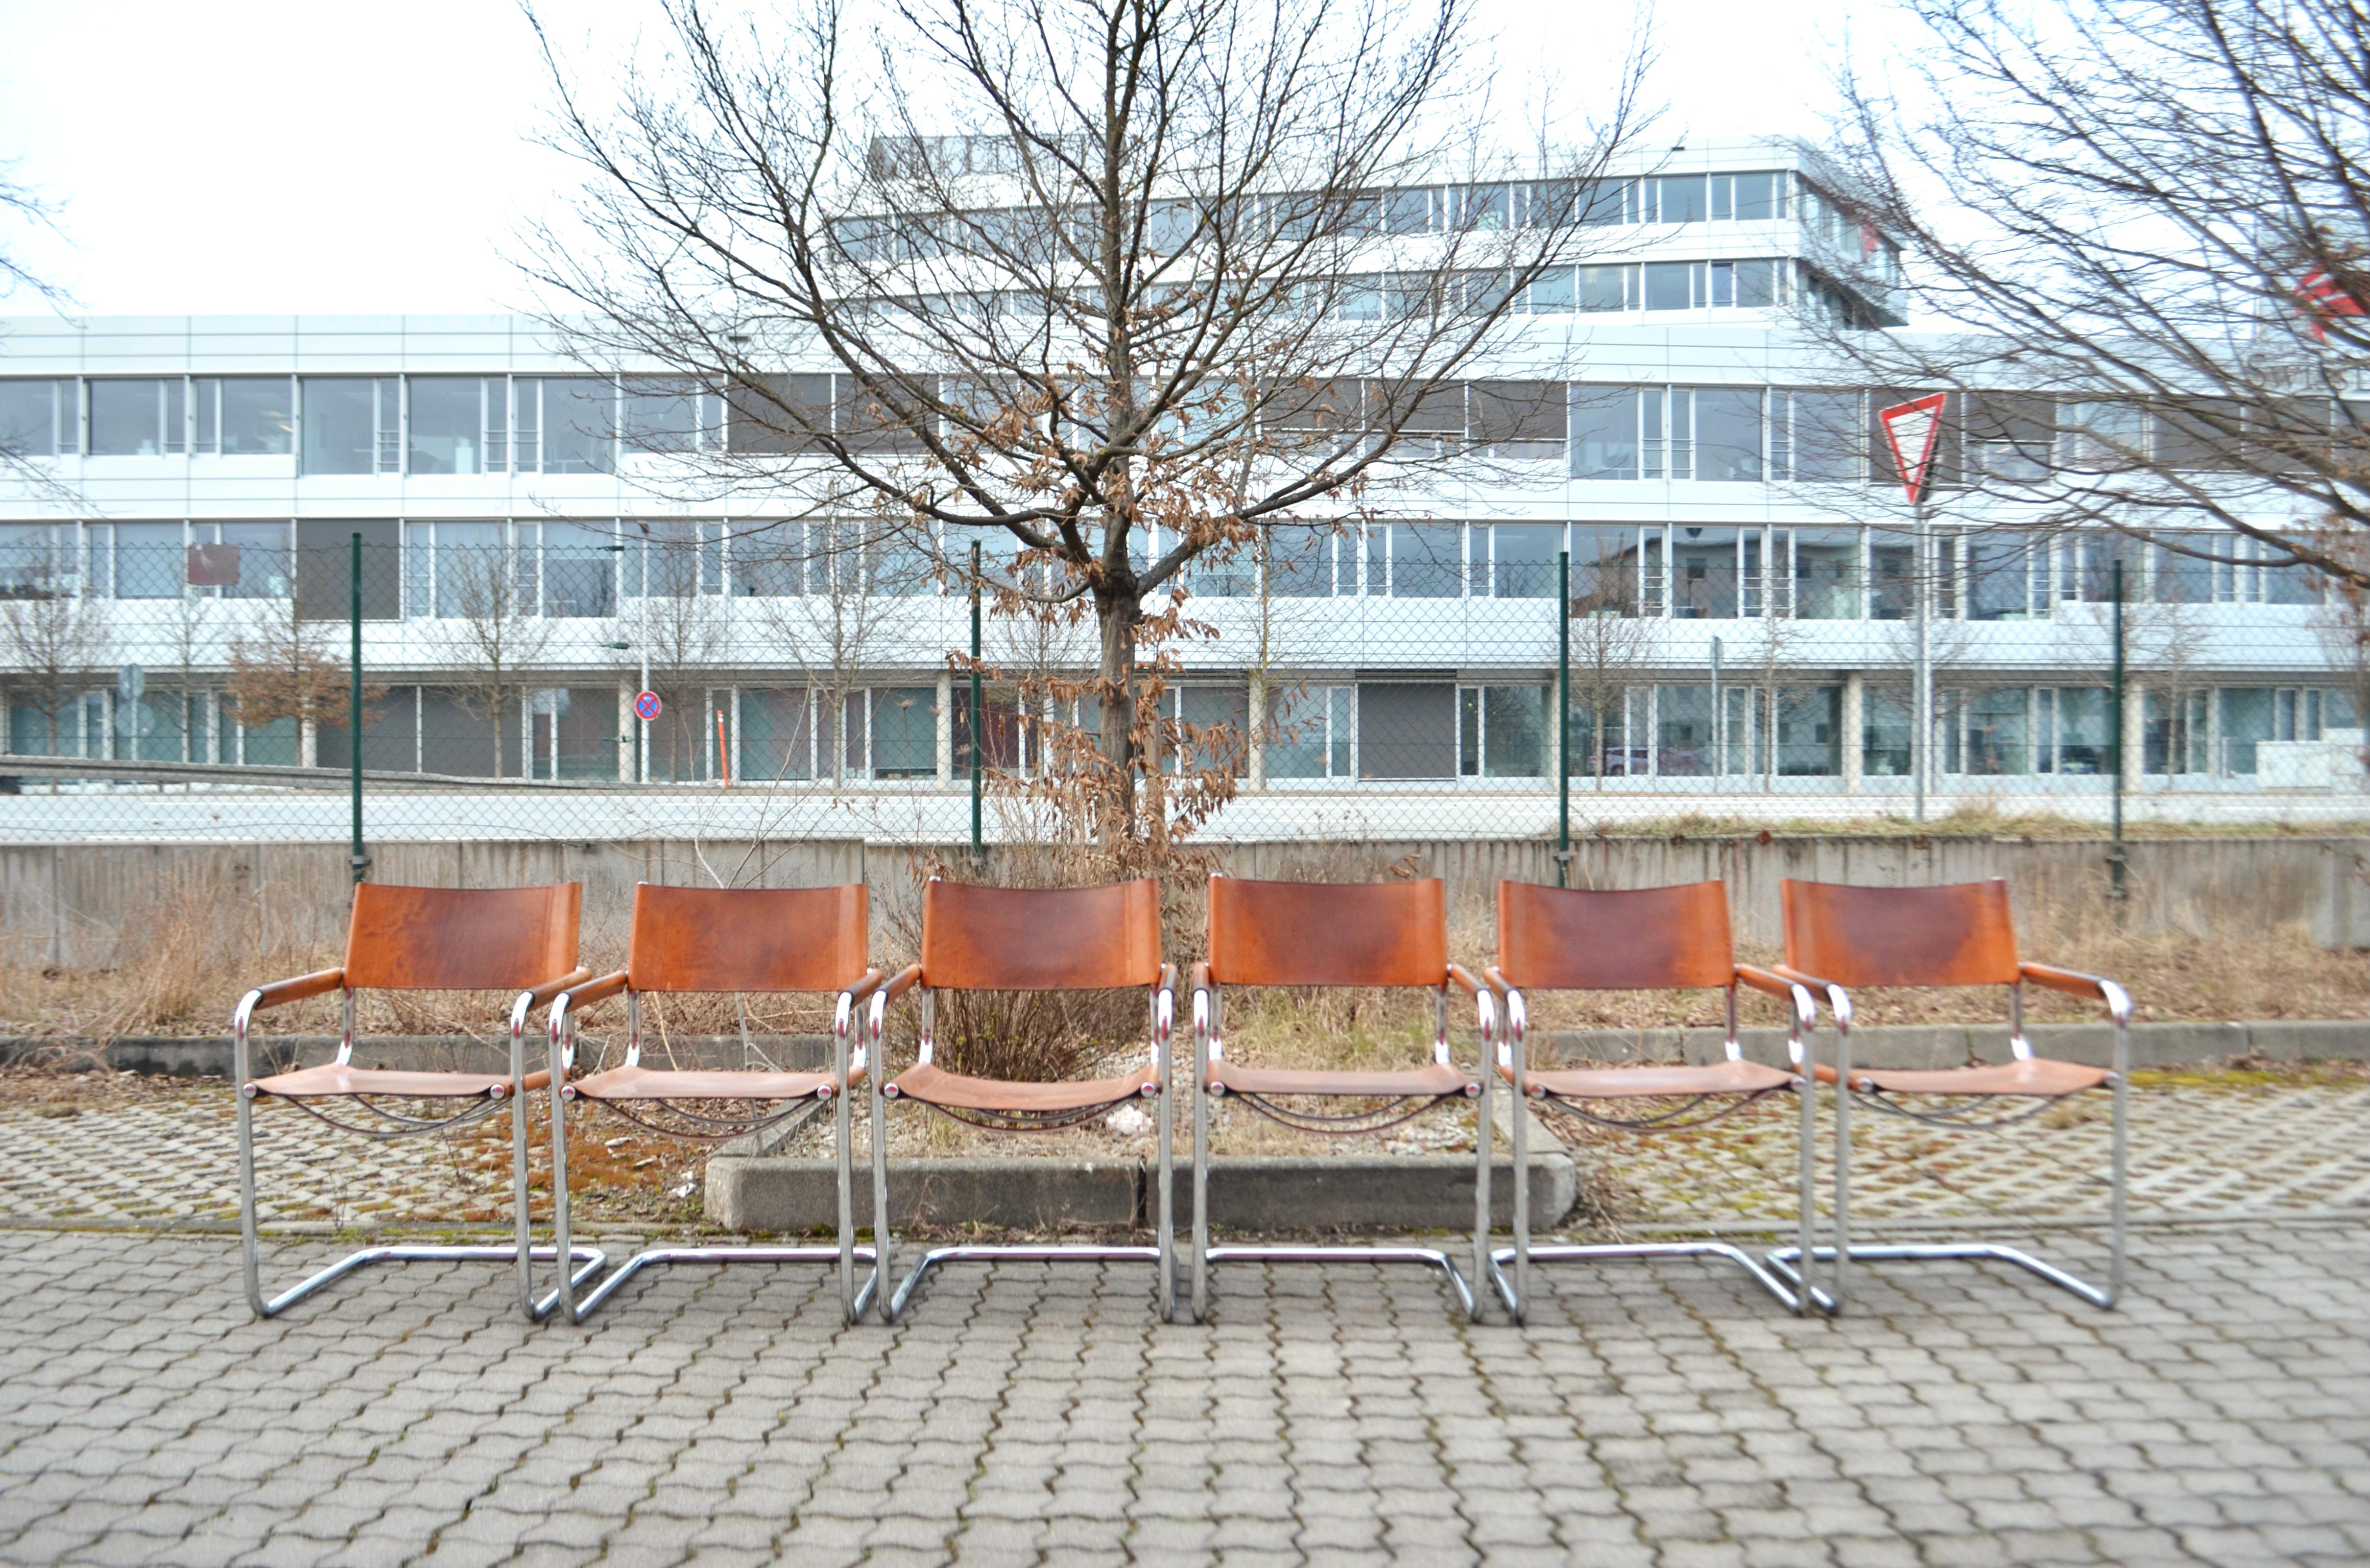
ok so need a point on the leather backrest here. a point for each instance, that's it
(1327, 934)
(980, 938)
(1635, 939)
(762, 939)
(461, 938)
(1955, 935)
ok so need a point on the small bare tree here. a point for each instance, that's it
(285, 666)
(491, 634)
(2142, 226)
(56, 640)
(1610, 642)
(683, 627)
(833, 627)
(1074, 274)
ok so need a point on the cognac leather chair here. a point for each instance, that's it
(502, 939)
(775, 939)
(1839, 937)
(1643, 939)
(979, 938)
(1316, 934)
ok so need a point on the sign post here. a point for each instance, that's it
(1914, 431)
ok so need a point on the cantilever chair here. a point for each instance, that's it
(1645, 939)
(1839, 936)
(977, 938)
(714, 939)
(513, 939)
(1313, 933)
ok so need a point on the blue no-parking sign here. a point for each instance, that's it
(646, 705)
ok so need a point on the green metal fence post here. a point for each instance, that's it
(359, 859)
(978, 722)
(1563, 718)
(2115, 849)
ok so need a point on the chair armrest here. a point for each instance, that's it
(1485, 1004)
(539, 1079)
(538, 995)
(1806, 1010)
(1200, 976)
(2118, 1001)
(579, 998)
(315, 984)
(873, 981)
(1495, 978)
(897, 985)
(1838, 999)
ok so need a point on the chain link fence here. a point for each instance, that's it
(189, 682)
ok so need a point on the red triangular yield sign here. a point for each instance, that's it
(1913, 429)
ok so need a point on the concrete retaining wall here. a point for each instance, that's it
(93, 905)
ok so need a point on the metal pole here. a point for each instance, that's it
(1718, 716)
(1921, 702)
(1563, 718)
(2115, 849)
(978, 723)
(359, 860)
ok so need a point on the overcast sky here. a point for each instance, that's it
(248, 156)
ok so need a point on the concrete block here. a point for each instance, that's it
(1422, 1192)
(801, 1195)
(2307, 1039)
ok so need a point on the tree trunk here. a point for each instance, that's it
(1117, 609)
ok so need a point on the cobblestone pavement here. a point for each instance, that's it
(1649, 1415)
(2202, 1146)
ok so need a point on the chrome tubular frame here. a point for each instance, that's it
(1791, 1262)
(1208, 1023)
(852, 1300)
(520, 1253)
(1161, 1255)
(1515, 1055)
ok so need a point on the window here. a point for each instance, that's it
(2078, 736)
(1615, 571)
(771, 562)
(1427, 560)
(455, 423)
(1728, 433)
(137, 418)
(350, 425)
(1826, 573)
(785, 735)
(245, 415)
(866, 420)
(901, 564)
(1310, 732)
(37, 560)
(1704, 573)
(1502, 732)
(149, 559)
(1610, 288)
(1667, 415)
(675, 560)
(1679, 198)
(1891, 574)
(2093, 559)
(1604, 431)
(248, 560)
(1300, 560)
(577, 424)
(1552, 292)
(1671, 285)
(1814, 437)
(1686, 745)
(460, 570)
(774, 414)
(1406, 731)
(1999, 575)
(1886, 729)
(2009, 436)
(905, 733)
(1517, 418)
(35, 417)
(2177, 576)
(390, 734)
(1988, 732)
(672, 416)
(1523, 559)
(2198, 433)
(1750, 198)
(325, 568)
(1217, 721)
(580, 567)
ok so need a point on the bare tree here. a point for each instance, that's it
(1082, 275)
(682, 626)
(2144, 227)
(490, 635)
(1610, 642)
(285, 666)
(22, 204)
(832, 618)
(55, 638)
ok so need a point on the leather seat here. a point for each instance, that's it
(928, 1084)
(1640, 1083)
(1432, 1082)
